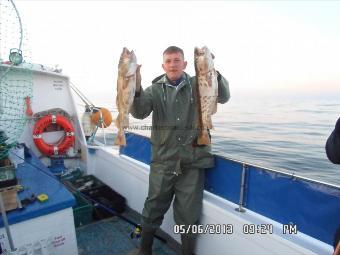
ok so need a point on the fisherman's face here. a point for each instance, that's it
(174, 65)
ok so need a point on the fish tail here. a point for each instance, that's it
(203, 138)
(120, 139)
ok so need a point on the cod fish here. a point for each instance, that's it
(207, 92)
(126, 87)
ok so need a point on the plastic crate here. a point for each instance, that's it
(108, 198)
(7, 176)
(86, 182)
(82, 211)
(99, 193)
(76, 174)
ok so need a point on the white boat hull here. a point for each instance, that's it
(130, 178)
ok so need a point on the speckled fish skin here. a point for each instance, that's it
(126, 87)
(207, 91)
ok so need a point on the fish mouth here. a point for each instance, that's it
(199, 52)
(126, 53)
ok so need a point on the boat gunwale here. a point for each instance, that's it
(258, 167)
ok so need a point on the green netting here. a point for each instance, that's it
(15, 79)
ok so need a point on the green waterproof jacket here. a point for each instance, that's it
(174, 123)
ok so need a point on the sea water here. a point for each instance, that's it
(287, 134)
(282, 134)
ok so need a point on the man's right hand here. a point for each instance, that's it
(138, 79)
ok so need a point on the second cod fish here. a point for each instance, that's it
(126, 87)
(207, 91)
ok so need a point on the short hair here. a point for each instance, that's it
(173, 49)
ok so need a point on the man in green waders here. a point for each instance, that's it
(178, 163)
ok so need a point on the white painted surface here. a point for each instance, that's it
(52, 90)
(52, 234)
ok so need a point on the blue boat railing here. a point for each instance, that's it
(311, 205)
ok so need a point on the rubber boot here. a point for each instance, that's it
(147, 241)
(188, 244)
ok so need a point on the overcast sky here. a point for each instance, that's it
(259, 46)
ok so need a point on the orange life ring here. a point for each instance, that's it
(49, 149)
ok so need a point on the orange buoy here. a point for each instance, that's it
(53, 149)
(102, 118)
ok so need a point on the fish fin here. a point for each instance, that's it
(117, 101)
(203, 138)
(120, 139)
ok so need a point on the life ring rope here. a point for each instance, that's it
(60, 147)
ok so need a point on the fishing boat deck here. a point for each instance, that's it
(112, 236)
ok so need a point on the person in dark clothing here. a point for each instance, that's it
(333, 154)
(178, 163)
(336, 243)
(333, 144)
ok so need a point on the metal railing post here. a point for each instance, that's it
(243, 177)
(4, 219)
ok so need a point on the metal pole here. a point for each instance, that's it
(4, 218)
(91, 139)
(243, 177)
